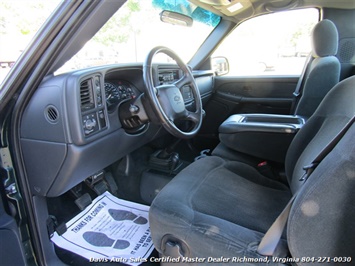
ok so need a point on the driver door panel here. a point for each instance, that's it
(10, 239)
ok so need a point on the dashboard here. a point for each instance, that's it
(74, 125)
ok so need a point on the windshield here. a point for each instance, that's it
(136, 28)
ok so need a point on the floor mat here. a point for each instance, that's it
(109, 230)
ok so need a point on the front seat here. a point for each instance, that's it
(219, 210)
(320, 76)
(323, 71)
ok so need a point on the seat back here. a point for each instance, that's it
(333, 113)
(324, 70)
(321, 218)
(321, 221)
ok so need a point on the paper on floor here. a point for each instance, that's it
(109, 230)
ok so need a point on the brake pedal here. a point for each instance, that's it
(100, 188)
(83, 201)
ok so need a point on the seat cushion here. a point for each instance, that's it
(224, 152)
(230, 202)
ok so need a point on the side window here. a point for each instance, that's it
(274, 44)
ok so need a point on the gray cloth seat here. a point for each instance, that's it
(323, 71)
(216, 207)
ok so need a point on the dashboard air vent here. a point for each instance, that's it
(52, 114)
(86, 95)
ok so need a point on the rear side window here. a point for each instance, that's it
(274, 44)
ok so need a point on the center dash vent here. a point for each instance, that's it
(86, 95)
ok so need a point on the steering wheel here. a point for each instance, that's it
(167, 101)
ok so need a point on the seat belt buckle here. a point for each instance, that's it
(265, 169)
(263, 163)
(308, 169)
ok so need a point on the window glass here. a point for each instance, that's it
(19, 22)
(136, 28)
(274, 44)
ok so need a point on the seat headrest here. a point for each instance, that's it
(324, 39)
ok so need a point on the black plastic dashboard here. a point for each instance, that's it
(71, 128)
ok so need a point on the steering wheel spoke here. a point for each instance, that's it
(156, 89)
(167, 101)
(185, 80)
(193, 116)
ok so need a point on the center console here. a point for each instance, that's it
(261, 135)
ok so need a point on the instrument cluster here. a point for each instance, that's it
(118, 91)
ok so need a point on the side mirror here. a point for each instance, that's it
(220, 65)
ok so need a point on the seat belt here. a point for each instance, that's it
(272, 237)
(298, 90)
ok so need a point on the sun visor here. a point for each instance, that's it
(240, 8)
(216, 2)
